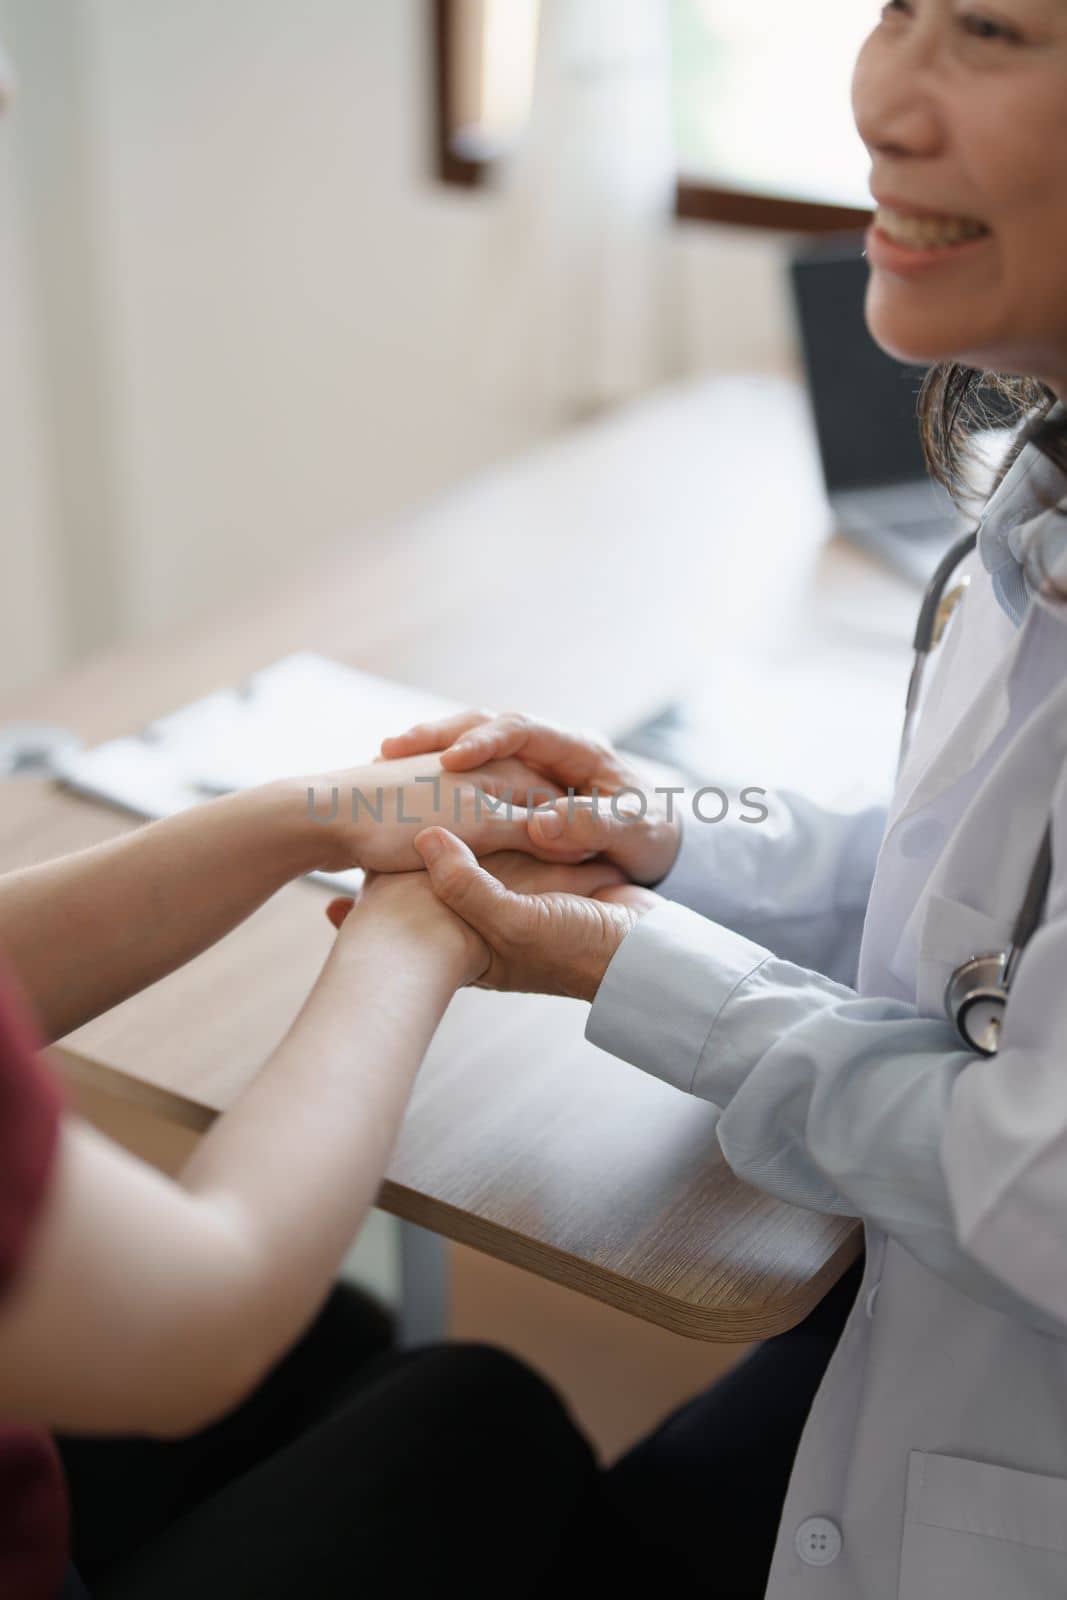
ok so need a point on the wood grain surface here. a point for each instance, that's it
(590, 583)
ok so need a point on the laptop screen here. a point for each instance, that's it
(864, 402)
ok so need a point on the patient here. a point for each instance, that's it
(189, 1402)
(230, 1422)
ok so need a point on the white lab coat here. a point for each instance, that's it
(933, 1465)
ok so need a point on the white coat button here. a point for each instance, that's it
(818, 1541)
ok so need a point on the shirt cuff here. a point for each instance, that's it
(708, 859)
(661, 996)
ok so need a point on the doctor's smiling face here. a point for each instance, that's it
(962, 105)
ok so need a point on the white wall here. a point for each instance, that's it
(29, 620)
(30, 625)
(65, 246)
(281, 330)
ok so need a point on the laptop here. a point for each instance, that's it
(866, 423)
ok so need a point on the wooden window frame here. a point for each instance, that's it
(698, 201)
(695, 200)
(463, 171)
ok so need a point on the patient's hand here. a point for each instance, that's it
(545, 935)
(369, 816)
(639, 833)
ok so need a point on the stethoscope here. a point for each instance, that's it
(977, 992)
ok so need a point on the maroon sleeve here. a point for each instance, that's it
(30, 1104)
(34, 1511)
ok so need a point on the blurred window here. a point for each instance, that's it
(485, 54)
(760, 93)
(761, 96)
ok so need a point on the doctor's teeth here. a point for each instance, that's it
(926, 233)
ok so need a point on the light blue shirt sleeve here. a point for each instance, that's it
(797, 882)
(826, 1099)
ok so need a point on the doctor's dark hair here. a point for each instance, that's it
(956, 401)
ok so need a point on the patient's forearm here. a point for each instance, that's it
(88, 930)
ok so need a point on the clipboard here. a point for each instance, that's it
(305, 713)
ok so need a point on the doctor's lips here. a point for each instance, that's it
(903, 234)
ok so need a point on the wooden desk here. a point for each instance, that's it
(591, 582)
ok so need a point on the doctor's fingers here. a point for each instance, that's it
(575, 760)
(525, 874)
(623, 828)
(507, 779)
(468, 740)
(426, 737)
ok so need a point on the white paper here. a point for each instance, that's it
(303, 715)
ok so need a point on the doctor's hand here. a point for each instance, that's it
(548, 929)
(637, 831)
(409, 899)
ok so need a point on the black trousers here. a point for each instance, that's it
(693, 1509)
(355, 1470)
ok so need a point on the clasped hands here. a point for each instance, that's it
(537, 896)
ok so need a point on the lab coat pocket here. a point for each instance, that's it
(973, 1531)
(952, 932)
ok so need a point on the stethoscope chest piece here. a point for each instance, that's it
(975, 998)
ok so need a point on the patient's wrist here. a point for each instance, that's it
(313, 826)
(388, 926)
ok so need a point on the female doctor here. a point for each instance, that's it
(810, 976)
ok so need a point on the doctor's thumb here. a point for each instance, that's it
(460, 882)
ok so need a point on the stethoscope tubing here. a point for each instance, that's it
(959, 995)
(925, 628)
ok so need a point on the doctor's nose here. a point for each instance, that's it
(896, 111)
